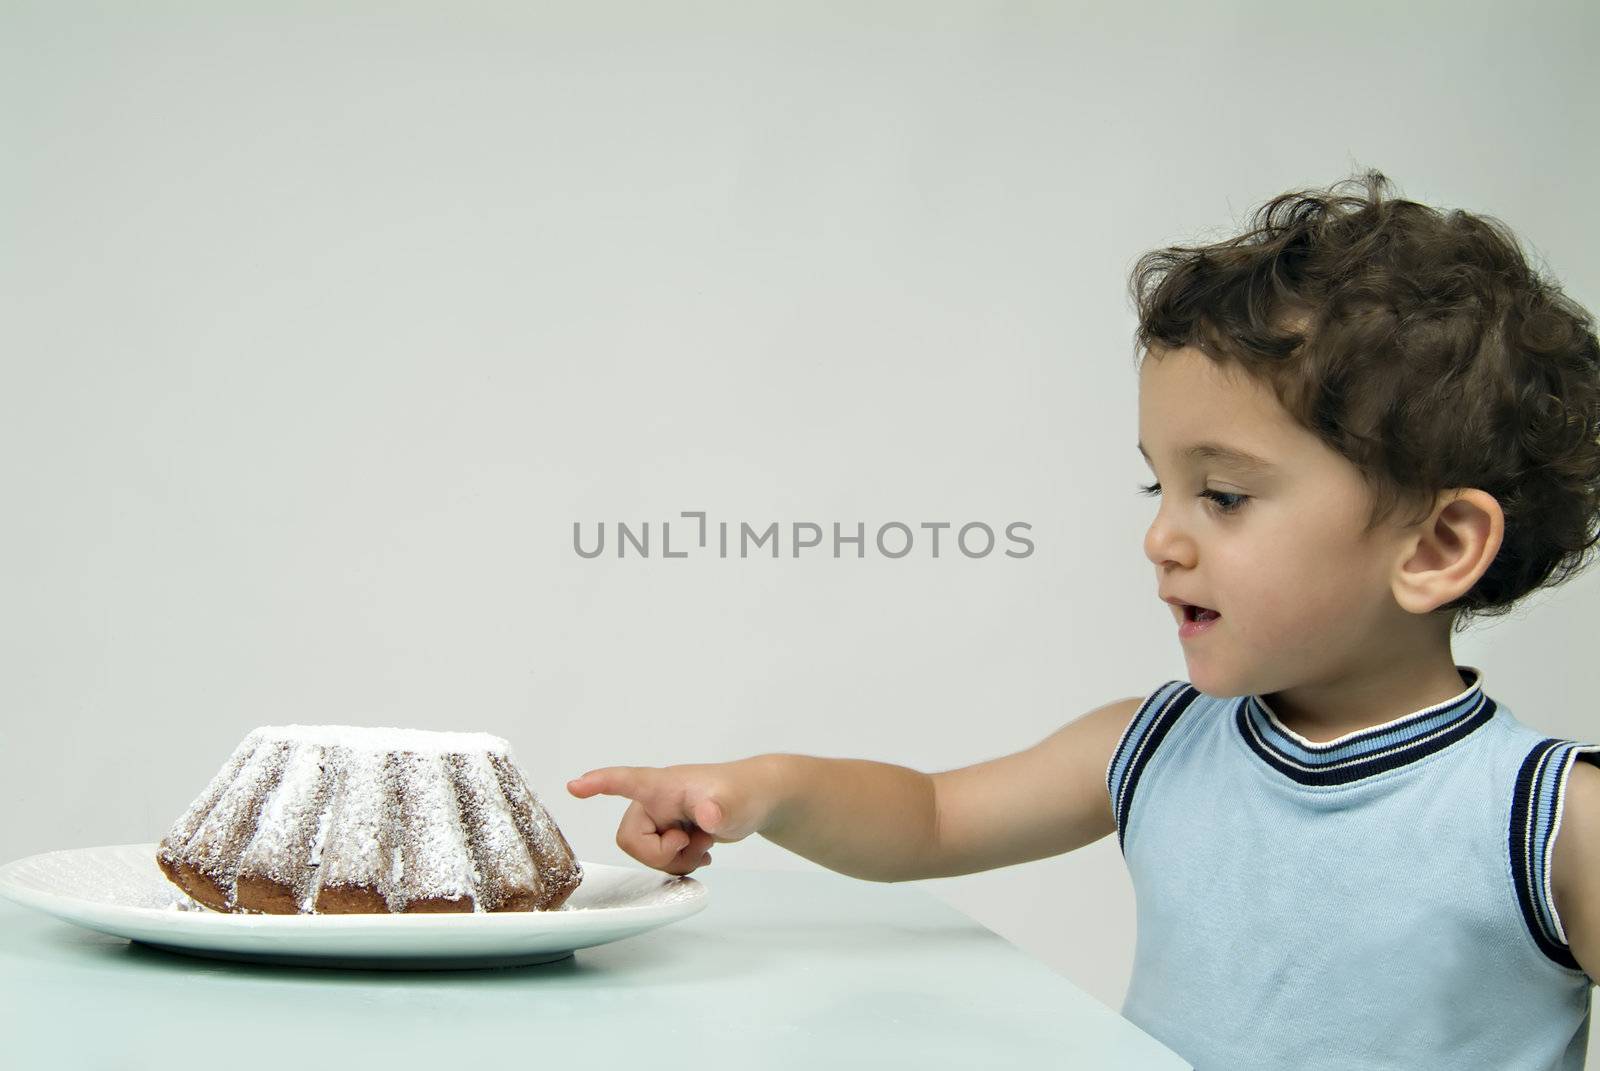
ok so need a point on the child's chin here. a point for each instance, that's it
(1217, 685)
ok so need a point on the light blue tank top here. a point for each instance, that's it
(1382, 900)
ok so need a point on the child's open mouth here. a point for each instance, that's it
(1196, 619)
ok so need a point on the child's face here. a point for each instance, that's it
(1302, 594)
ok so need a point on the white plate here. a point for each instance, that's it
(119, 890)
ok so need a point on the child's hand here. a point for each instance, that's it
(679, 811)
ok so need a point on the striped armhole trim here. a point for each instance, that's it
(1535, 820)
(1155, 718)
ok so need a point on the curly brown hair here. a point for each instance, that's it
(1420, 346)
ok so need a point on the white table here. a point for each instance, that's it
(783, 969)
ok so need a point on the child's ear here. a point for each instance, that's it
(1441, 558)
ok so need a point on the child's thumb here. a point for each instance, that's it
(708, 815)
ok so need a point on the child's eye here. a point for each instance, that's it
(1220, 499)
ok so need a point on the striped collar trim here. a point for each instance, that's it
(1370, 752)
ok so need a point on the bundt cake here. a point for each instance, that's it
(329, 819)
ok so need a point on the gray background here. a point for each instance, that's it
(321, 328)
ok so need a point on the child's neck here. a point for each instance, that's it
(1326, 710)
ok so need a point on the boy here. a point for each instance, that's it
(1373, 423)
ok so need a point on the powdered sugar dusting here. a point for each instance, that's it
(377, 738)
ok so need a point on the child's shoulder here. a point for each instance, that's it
(1575, 862)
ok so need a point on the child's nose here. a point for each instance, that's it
(1165, 545)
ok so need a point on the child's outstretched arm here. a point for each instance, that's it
(865, 819)
(874, 820)
(1047, 800)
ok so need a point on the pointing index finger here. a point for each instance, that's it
(609, 781)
